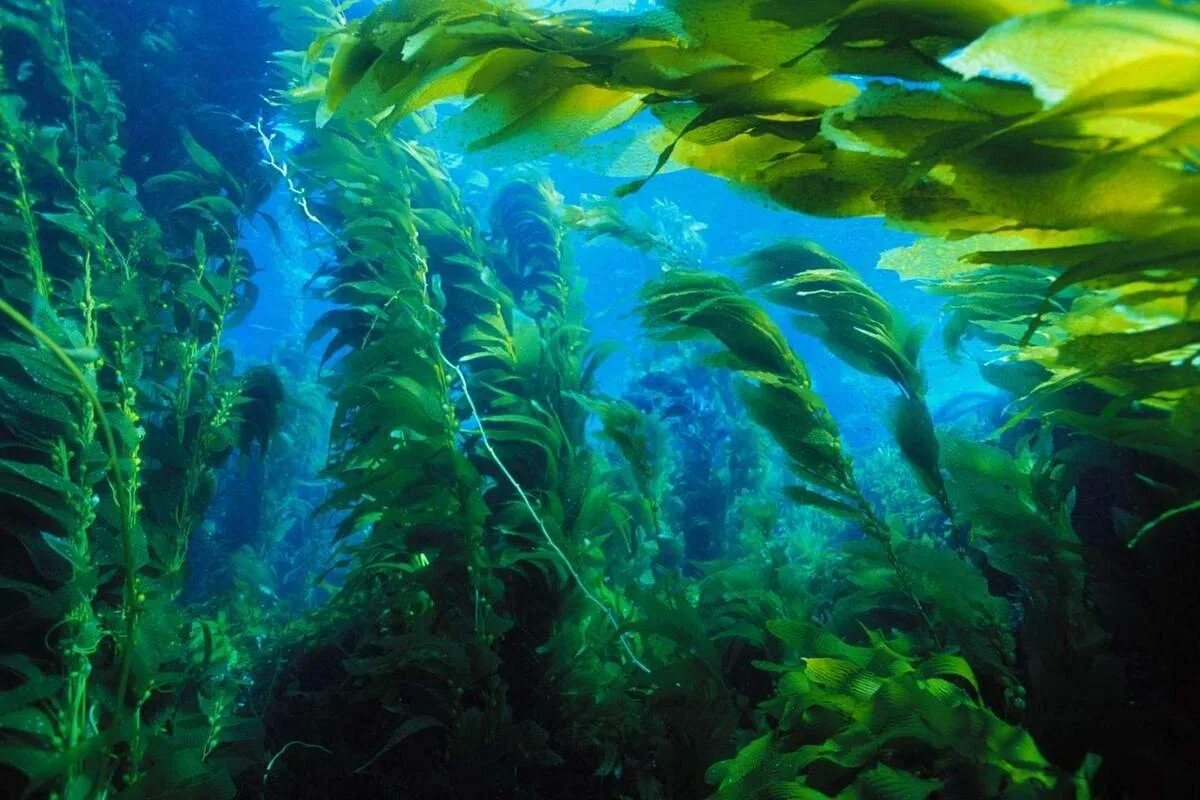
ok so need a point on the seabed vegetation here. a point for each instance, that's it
(420, 546)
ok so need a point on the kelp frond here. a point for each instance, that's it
(861, 328)
(839, 308)
(777, 393)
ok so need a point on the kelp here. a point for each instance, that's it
(457, 655)
(525, 218)
(943, 594)
(1080, 165)
(1021, 517)
(847, 315)
(887, 576)
(862, 329)
(118, 405)
(471, 505)
(1045, 150)
(777, 395)
(855, 721)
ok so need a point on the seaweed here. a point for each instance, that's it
(862, 329)
(119, 405)
(930, 139)
(505, 582)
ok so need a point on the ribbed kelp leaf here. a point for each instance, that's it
(758, 765)
(862, 329)
(43, 489)
(684, 304)
(884, 783)
(40, 366)
(34, 686)
(855, 322)
(53, 414)
(207, 162)
(544, 106)
(843, 677)
(1099, 352)
(948, 665)
(526, 222)
(791, 790)
(1070, 51)
(784, 261)
(520, 428)
(803, 427)
(857, 707)
(807, 497)
(707, 303)
(807, 639)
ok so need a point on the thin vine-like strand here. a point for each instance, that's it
(285, 748)
(538, 519)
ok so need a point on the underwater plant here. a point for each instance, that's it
(858, 326)
(1045, 150)
(879, 721)
(120, 402)
(930, 140)
(448, 548)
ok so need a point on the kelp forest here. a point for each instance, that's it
(732, 399)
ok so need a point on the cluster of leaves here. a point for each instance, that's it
(878, 721)
(683, 304)
(468, 499)
(938, 591)
(502, 627)
(1046, 149)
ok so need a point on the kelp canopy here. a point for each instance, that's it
(436, 555)
(1050, 152)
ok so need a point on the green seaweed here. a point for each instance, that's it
(508, 613)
